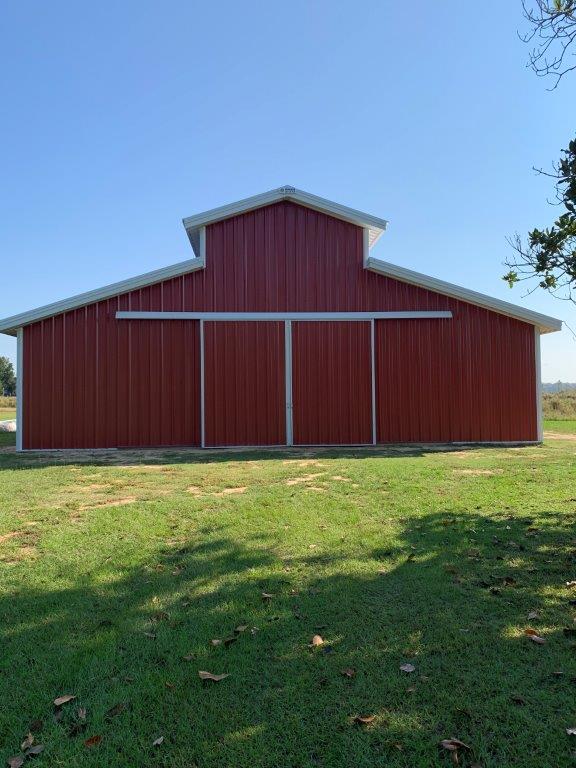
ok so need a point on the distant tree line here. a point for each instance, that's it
(7, 378)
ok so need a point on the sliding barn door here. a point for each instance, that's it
(244, 383)
(331, 383)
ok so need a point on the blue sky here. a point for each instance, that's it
(118, 120)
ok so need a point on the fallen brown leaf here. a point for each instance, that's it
(16, 761)
(241, 628)
(209, 676)
(364, 719)
(82, 713)
(407, 667)
(453, 744)
(158, 741)
(216, 641)
(317, 640)
(63, 699)
(93, 741)
(267, 596)
(348, 672)
(533, 635)
(571, 731)
(27, 743)
(533, 615)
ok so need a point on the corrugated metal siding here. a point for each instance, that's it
(88, 381)
(244, 401)
(331, 383)
(91, 382)
(441, 381)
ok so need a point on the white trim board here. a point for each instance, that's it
(19, 388)
(543, 322)
(9, 325)
(538, 377)
(282, 316)
(373, 224)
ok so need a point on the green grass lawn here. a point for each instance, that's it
(117, 571)
(560, 425)
(7, 413)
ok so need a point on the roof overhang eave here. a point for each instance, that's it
(544, 323)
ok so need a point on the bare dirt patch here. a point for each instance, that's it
(195, 490)
(228, 491)
(477, 472)
(304, 478)
(110, 503)
(11, 535)
(304, 462)
(560, 436)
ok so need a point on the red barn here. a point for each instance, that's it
(282, 330)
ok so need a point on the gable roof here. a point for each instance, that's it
(373, 226)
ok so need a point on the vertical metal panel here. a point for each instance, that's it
(439, 381)
(91, 381)
(244, 383)
(332, 383)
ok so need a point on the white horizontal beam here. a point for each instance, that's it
(312, 316)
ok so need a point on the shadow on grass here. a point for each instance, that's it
(127, 457)
(450, 594)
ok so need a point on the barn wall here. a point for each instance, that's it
(93, 381)
(331, 383)
(449, 381)
(245, 386)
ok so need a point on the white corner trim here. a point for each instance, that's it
(545, 323)
(202, 390)
(365, 246)
(10, 325)
(202, 254)
(288, 382)
(283, 316)
(375, 225)
(19, 387)
(373, 378)
(538, 376)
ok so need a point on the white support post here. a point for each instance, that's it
(365, 246)
(538, 374)
(202, 426)
(373, 376)
(19, 387)
(288, 375)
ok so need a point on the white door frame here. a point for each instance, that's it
(287, 318)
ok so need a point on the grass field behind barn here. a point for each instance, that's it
(119, 570)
